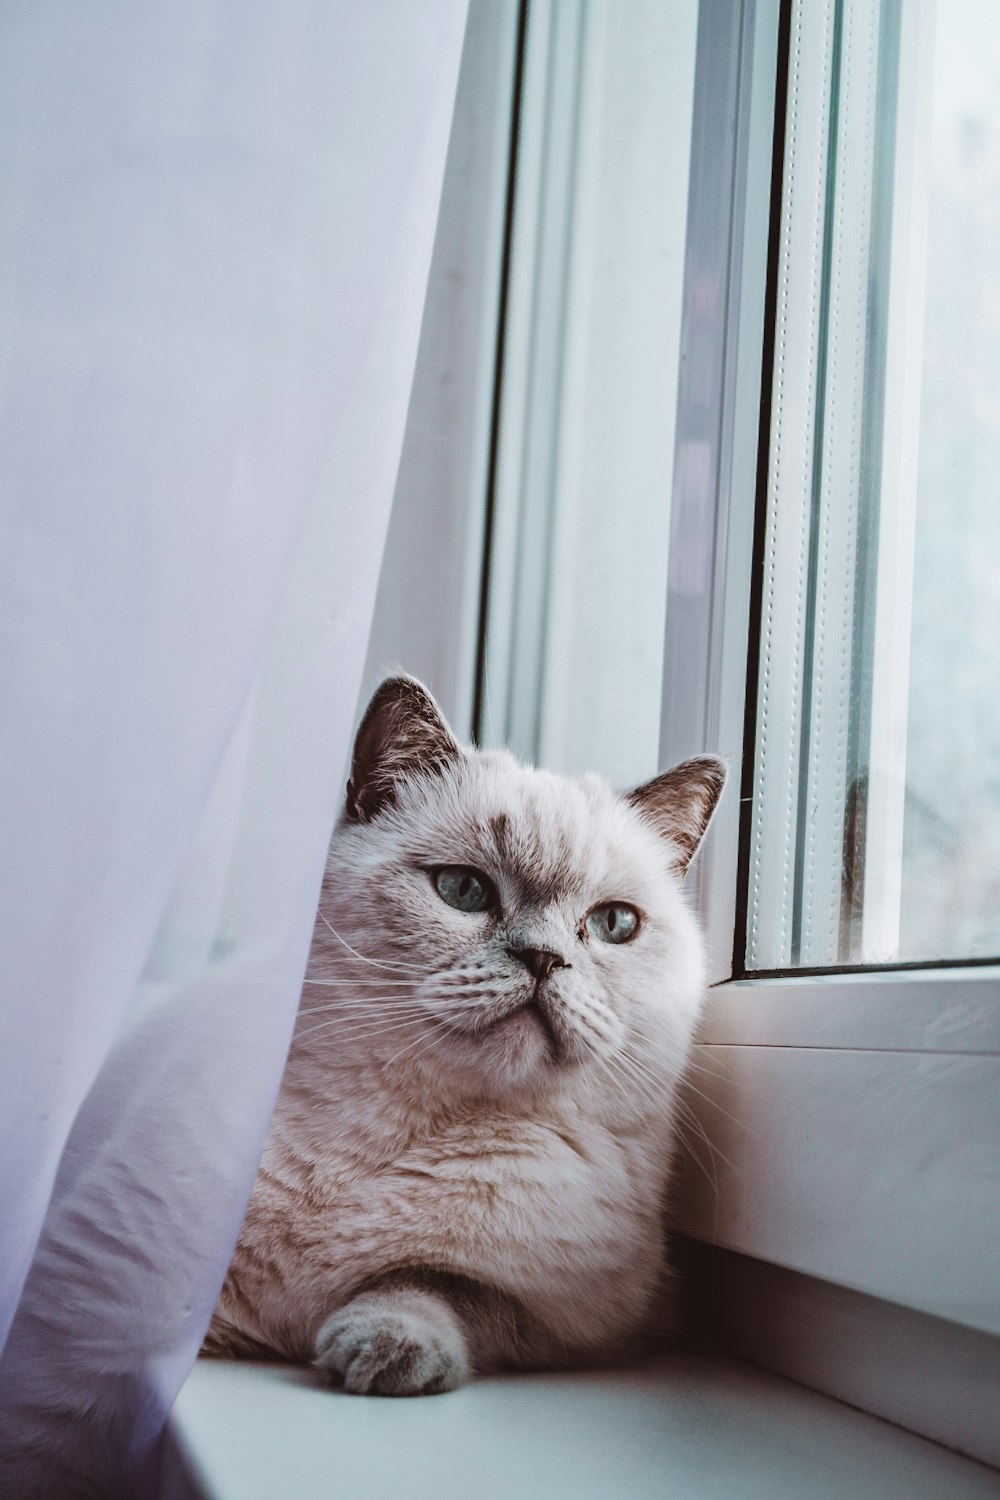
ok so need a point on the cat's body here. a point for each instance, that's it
(468, 1159)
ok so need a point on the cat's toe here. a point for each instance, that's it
(390, 1354)
(390, 1364)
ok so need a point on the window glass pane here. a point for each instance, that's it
(951, 829)
(578, 565)
(875, 830)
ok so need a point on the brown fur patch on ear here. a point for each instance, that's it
(680, 803)
(403, 734)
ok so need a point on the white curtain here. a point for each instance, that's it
(216, 221)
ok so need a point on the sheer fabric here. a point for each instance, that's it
(216, 234)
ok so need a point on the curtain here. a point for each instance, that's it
(216, 221)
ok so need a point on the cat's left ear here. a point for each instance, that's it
(403, 734)
(680, 804)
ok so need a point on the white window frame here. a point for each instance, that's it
(852, 1120)
(427, 614)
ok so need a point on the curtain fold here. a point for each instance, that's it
(215, 235)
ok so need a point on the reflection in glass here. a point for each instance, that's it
(875, 817)
(951, 842)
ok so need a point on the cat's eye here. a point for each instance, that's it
(614, 922)
(464, 888)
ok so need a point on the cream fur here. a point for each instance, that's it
(426, 1119)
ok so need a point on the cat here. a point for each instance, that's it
(468, 1158)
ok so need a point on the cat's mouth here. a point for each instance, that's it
(533, 1016)
(518, 1033)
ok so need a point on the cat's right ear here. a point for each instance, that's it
(680, 804)
(403, 734)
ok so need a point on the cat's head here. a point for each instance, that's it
(509, 925)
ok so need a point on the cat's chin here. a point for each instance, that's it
(518, 1050)
(525, 1035)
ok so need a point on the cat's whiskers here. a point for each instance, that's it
(691, 1088)
(350, 1005)
(693, 1065)
(685, 1120)
(621, 1081)
(613, 1065)
(641, 1068)
(384, 1005)
(632, 1069)
(378, 963)
(478, 999)
(362, 1014)
(345, 982)
(636, 1067)
(689, 1118)
(427, 1038)
(357, 1029)
(590, 1018)
(620, 1071)
(631, 1077)
(357, 1019)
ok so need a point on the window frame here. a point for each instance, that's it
(899, 1063)
(548, 483)
(440, 525)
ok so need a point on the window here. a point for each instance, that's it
(874, 834)
(851, 1113)
(581, 504)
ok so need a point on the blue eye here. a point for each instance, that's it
(614, 922)
(464, 888)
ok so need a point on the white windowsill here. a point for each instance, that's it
(854, 1134)
(687, 1427)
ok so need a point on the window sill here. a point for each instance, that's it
(854, 1134)
(690, 1425)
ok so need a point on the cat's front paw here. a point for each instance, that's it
(394, 1343)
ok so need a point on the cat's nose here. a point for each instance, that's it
(538, 961)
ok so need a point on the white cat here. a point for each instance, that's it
(468, 1159)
